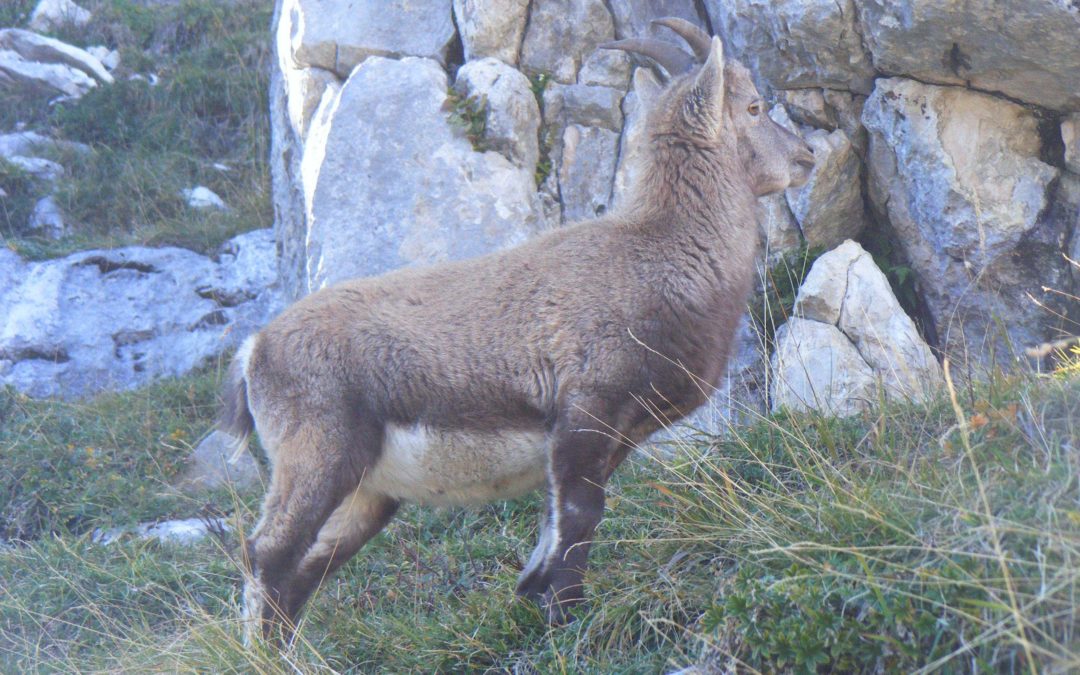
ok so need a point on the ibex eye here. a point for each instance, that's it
(754, 109)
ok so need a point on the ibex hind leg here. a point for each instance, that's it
(314, 471)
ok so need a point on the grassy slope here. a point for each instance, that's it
(799, 543)
(150, 142)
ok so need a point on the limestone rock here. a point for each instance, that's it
(185, 532)
(210, 466)
(42, 79)
(584, 105)
(780, 232)
(41, 49)
(632, 141)
(633, 18)
(814, 367)
(42, 169)
(606, 68)
(793, 44)
(829, 208)
(47, 219)
(49, 14)
(513, 117)
(338, 36)
(29, 143)
(1070, 135)
(201, 197)
(1026, 50)
(958, 175)
(110, 58)
(306, 87)
(586, 170)
(118, 319)
(389, 182)
(561, 34)
(491, 28)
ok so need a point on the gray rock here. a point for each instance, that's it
(792, 44)
(110, 58)
(184, 532)
(780, 232)
(201, 197)
(211, 466)
(561, 33)
(34, 47)
(583, 105)
(119, 319)
(606, 68)
(305, 88)
(959, 177)
(512, 117)
(1026, 50)
(808, 107)
(586, 171)
(1070, 135)
(42, 169)
(632, 141)
(491, 28)
(338, 36)
(815, 367)
(633, 18)
(29, 143)
(829, 208)
(50, 14)
(389, 182)
(42, 79)
(47, 219)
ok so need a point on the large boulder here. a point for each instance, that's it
(850, 342)
(491, 28)
(34, 47)
(511, 114)
(793, 44)
(830, 208)
(389, 182)
(561, 33)
(960, 176)
(1023, 49)
(118, 319)
(337, 36)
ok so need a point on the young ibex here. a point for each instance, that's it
(482, 379)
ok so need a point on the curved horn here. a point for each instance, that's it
(697, 38)
(674, 60)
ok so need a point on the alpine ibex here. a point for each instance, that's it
(482, 379)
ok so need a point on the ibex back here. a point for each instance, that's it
(545, 364)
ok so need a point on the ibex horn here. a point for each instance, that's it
(697, 38)
(673, 59)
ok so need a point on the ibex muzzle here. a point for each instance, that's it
(540, 365)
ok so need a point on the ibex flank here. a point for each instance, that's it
(545, 364)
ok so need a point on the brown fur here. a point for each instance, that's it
(583, 337)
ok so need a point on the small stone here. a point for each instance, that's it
(201, 197)
(110, 58)
(47, 219)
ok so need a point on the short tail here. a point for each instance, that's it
(236, 419)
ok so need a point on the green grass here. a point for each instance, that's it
(148, 143)
(920, 537)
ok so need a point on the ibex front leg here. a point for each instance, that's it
(580, 463)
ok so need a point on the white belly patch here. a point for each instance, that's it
(446, 467)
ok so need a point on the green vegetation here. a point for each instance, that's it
(925, 537)
(469, 113)
(204, 121)
(539, 83)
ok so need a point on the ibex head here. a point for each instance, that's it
(716, 104)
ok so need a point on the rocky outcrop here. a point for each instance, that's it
(165, 311)
(42, 66)
(850, 343)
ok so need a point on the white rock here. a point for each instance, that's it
(27, 143)
(959, 176)
(1070, 135)
(179, 532)
(338, 36)
(51, 14)
(200, 197)
(814, 367)
(47, 218)
(586, 171)
(512, 117)
(41, 49)
(42, 169)
(796, 43)
(491, 28)
(43, 79)
(110, 58)
(119, 319)
(561, 33)
(829, 208)
(389, 182)
(305, 87)
(1026, 50)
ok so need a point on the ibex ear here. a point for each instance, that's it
(646, 87)
(709, 86)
